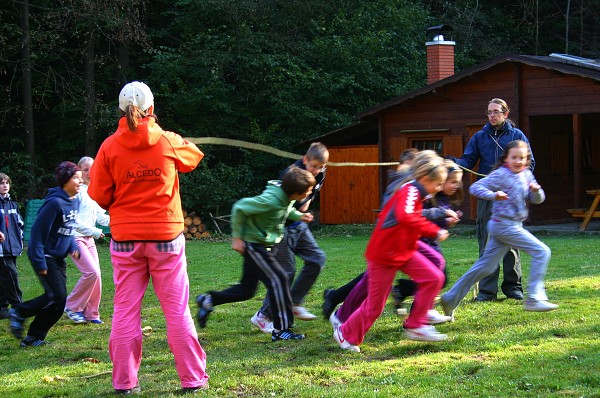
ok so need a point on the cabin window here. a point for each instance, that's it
(432, 144)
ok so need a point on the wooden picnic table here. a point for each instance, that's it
(588, 214)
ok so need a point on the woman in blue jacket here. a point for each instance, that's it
(486, 146)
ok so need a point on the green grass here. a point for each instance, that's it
(494, 349)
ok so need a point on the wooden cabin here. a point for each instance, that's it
(554, 100)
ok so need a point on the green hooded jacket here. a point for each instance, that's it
(261, 219)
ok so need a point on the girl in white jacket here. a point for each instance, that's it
(84, 301)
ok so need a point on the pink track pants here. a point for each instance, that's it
(85, 296)
(134, 263)
(420, 269)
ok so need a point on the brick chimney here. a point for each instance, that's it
(440, 55)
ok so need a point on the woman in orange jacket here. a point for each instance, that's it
(135, 178)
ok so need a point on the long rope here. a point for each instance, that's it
(289, 155)
(471, 171)
(271, 150)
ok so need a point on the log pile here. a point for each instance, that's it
(193, 227)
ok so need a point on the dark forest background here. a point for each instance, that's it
(271, 72)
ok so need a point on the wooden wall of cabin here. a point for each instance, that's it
(351, 193)
(540, 100)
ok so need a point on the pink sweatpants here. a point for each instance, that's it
(85, 296)
(429, 279)
(359, 292)
(134, 263)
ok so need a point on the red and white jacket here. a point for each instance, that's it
(399, 226)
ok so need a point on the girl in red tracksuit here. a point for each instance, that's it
(392, 248)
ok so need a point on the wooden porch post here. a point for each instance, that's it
(577, 177)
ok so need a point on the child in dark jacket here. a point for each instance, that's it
(50, 243)
(11, 247)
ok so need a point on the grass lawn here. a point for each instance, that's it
(494, 349)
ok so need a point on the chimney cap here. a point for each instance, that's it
(439, 28)
(435, 35)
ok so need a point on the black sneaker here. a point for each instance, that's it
(129, 391)
(481, 298)
(515, 294)
(203, 313)
(328, 304)
(4, 313)
(16, 323)
(286, 335)
(32, 341)
(397, 296)
(194, 390)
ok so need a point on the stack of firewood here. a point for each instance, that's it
(193, 226)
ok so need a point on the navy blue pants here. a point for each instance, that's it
(49, 307)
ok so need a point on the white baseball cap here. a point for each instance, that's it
(136, 93)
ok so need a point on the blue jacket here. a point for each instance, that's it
(320, 180)
(11, 226)
(437, 215)
(53, 229)
(487, 146)
(395, 180)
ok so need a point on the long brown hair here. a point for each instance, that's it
(133, 114)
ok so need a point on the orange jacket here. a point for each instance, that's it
(134, 177)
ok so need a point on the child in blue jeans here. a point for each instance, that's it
(512, 187)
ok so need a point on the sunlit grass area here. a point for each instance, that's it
(494, 349)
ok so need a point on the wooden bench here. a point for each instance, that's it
(587, 214)
(581, 213)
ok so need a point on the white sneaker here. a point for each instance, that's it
(345, 345)
(76, 317)
(262, 322)
(424, 333)
(435, 318)
(302, 314)
(335, 322)
(538, 305)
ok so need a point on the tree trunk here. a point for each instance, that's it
(90, 97)
(27, 94)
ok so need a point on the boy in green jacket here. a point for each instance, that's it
(257, 225)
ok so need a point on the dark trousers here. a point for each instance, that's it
(298, 241)
(10, 293)
(511, 264)
(47, 308)
(260, 265)
(338, 295)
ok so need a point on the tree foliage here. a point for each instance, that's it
(264, 71)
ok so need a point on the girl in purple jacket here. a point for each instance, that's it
(512, 187)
